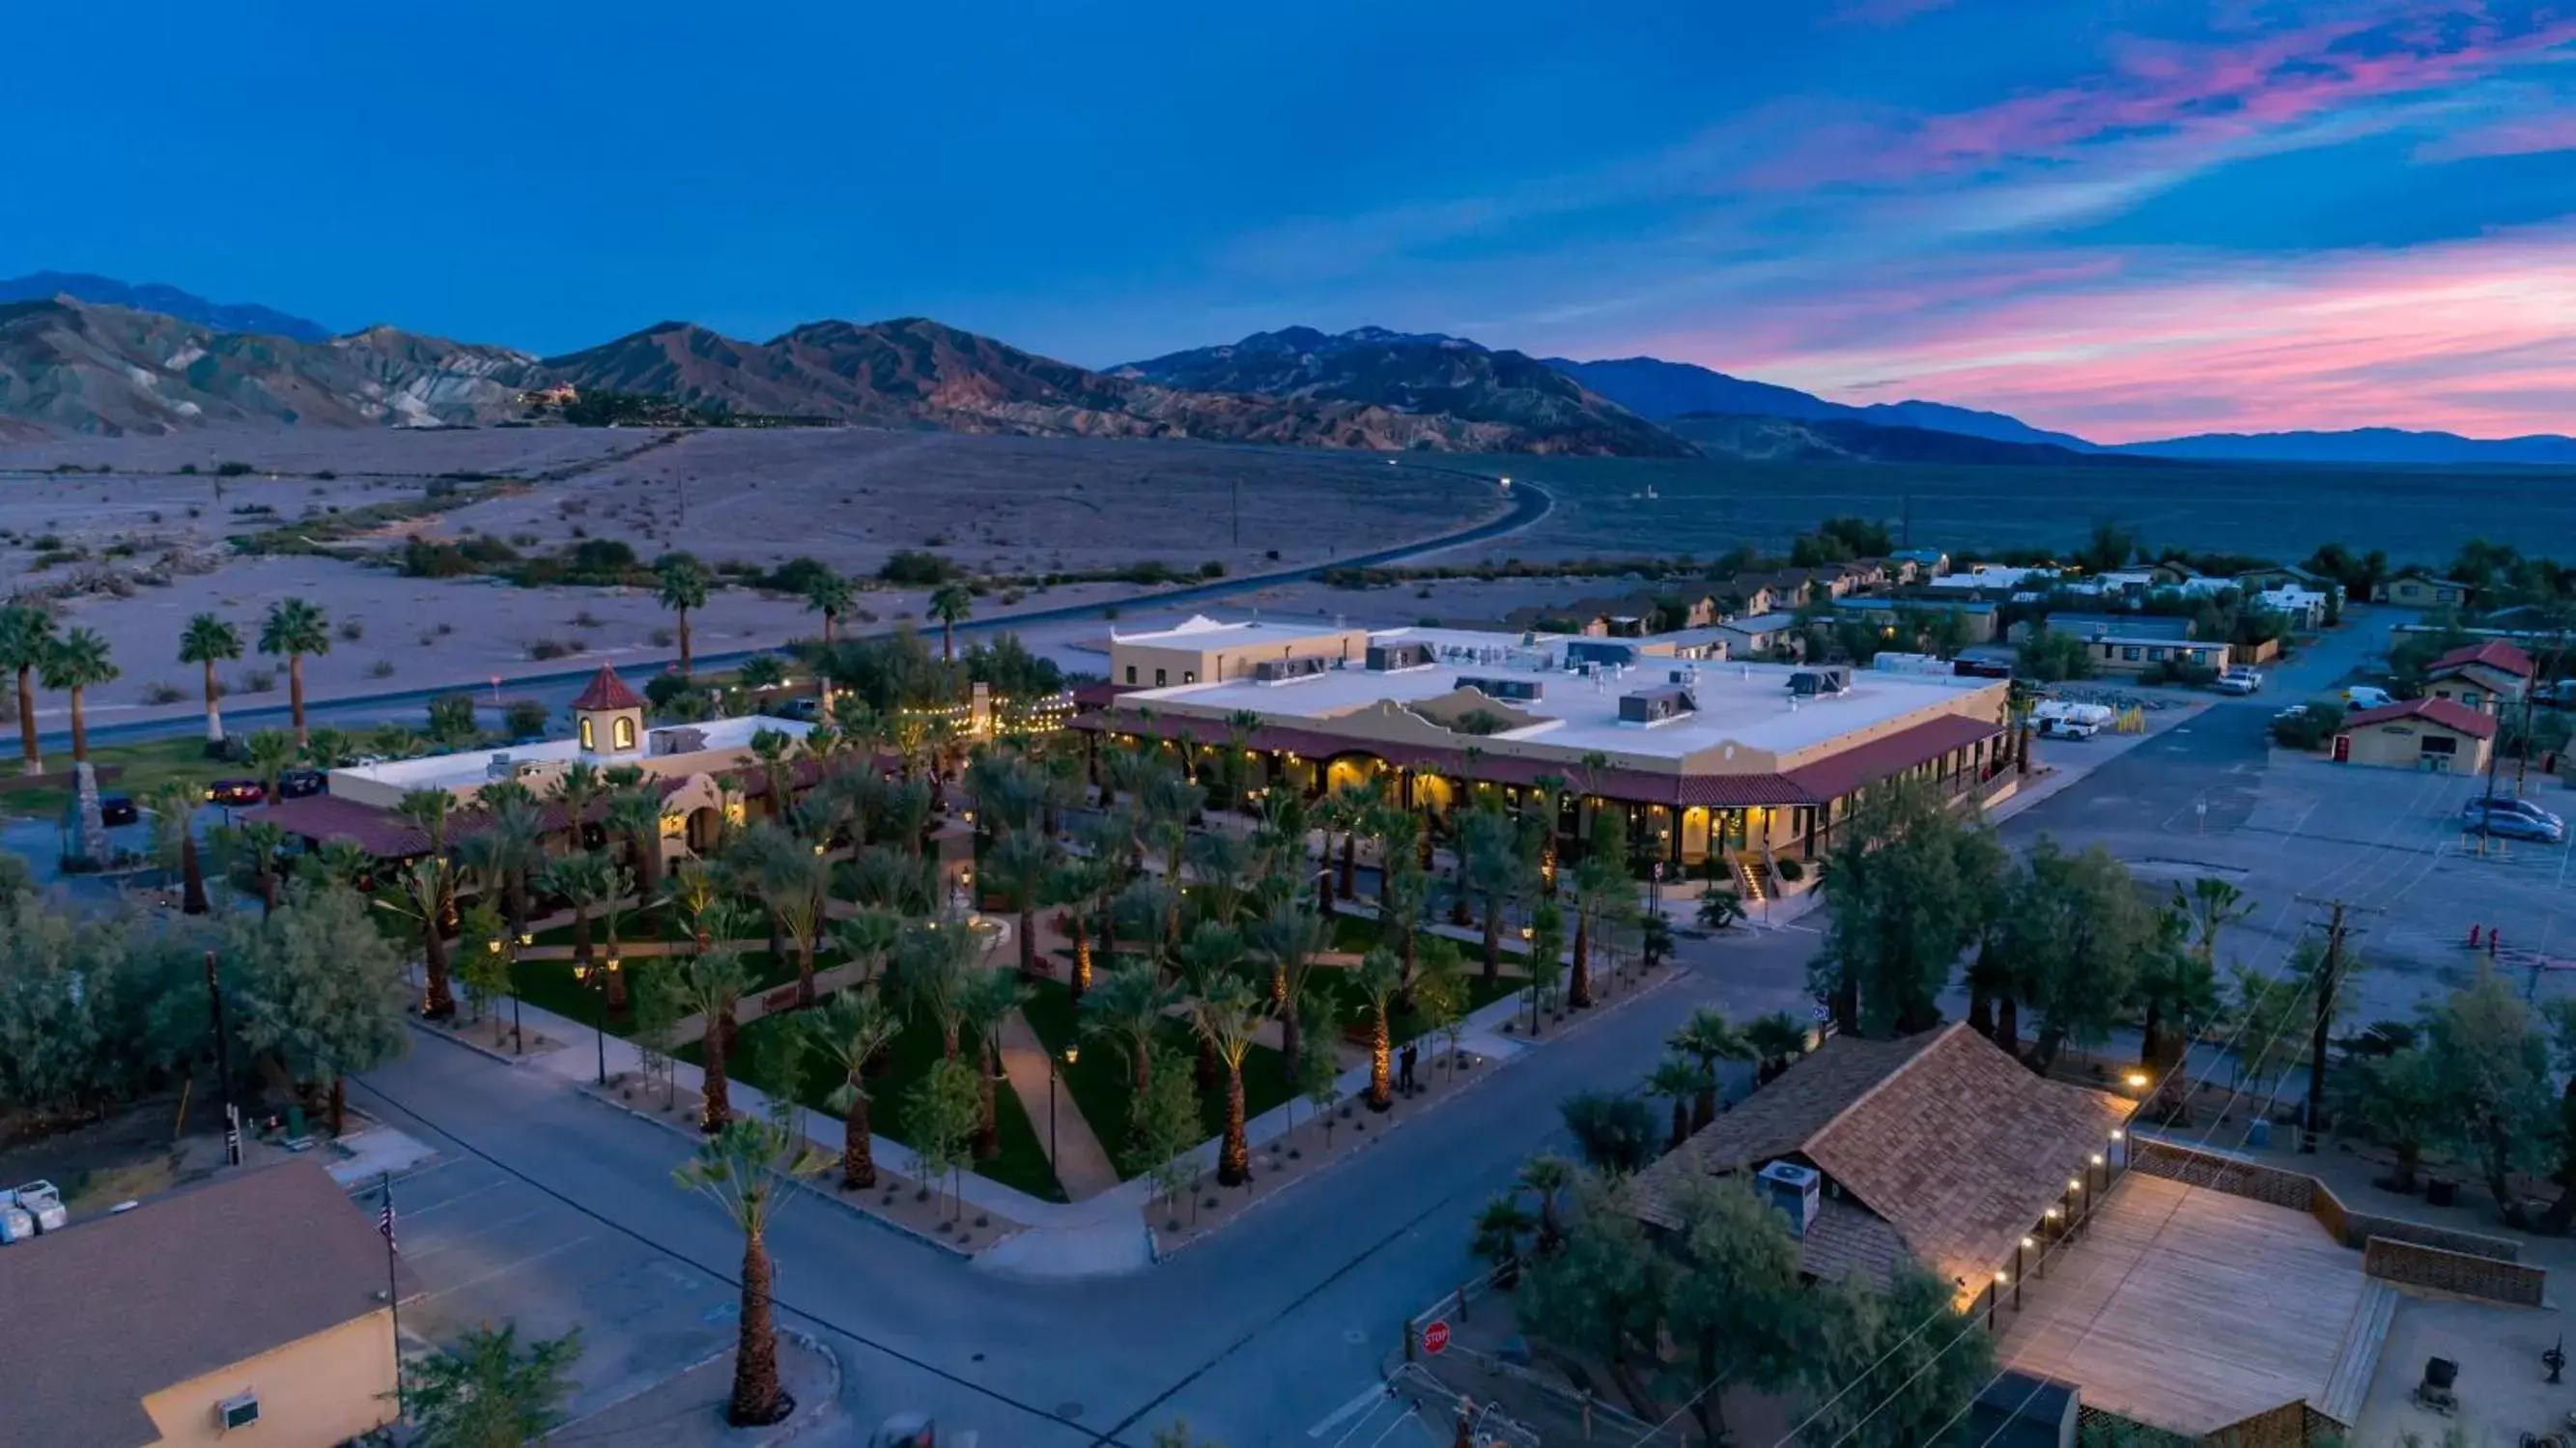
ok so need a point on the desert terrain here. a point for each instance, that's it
(135, 550)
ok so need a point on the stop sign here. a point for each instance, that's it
(1435, 1338)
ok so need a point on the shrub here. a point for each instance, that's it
(661, 689)
(328, 476)
(1211, 569)
(662, 638)
(381, 669)
(187, 470)
(524, 718)
(256, 681)
(2316, 722)
(543, 649)
(163, 693)
(910, 569)
(351, 631)
(233, 470)
(1792, 871)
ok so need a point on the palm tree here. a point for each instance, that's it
(1597, 882)
(1707, 1038)
(174, 808)
(1681, 1079)
(1126, 1009)
(2211, 905)
(1491, 867)
(78, 660)
(1073, 885)
(792, 881)
(1292, 936)
(330, 748)
(853, 1028)
(867, 938)
(270, 752)
(424, 886)
(637, 814)
(1777, 1040)
(1022, 865)
(931, 970)
(737, 1169)
(773, 751)
(586, 881)
(1377, 980)
(1226, 1017)
(428, 810)
(26, 638)
(505, 849)
(206, 642)
(1207, 960)
(709, 985)
(830, 595)
(990, 998)
(293, 629)
(681, 585)
(576, 790)
(951, 604)
(1548, 1176)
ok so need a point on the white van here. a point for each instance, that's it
(2365, 696)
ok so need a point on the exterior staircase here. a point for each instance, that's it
(1748, 881)
(2358, 1357)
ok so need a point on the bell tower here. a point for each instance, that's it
(607, 717)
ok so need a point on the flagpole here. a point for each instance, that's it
(393, 1292)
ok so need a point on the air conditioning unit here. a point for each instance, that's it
(238, 1411)
(1519, 691)
(1792, 1188)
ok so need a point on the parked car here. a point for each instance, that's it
(236, 792)
(2522, 807)
(804, 708)
(2366, 696)
(2488, 817)
(117, 809)
(2238, 680)
(302, 783)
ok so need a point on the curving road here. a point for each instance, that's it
(1530, 503)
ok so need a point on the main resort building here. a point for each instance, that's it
(1741, 763)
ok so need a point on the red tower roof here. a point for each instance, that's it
(607, 691)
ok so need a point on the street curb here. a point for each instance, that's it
(590, 1092)
(1494, 1066)
(456, 1038)
(801, 1422)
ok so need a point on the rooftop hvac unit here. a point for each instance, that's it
(1656, 706)
(1792, 1188)
(1820, 683)
(1387, 658)
(1517, 690)
(1285, 671)
(238, 1411)
(499, 767)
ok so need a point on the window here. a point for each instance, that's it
(625, 732)
(1159, 679)
(587, 741)
(2156, 655)
(1131, 673)
(2129, 652)
(2440, 744)
(1189, 676)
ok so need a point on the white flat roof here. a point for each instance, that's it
(1200, 631)
(475, 767)
(1743, 704)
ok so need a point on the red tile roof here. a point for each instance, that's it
(2494, 653)
(2449, 714)
(607, 691)
(1867, 764)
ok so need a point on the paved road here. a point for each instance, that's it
(1254, 1336)
(1530, 503)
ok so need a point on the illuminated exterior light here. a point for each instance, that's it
(2137, 1080)
(2073, 1185)
(2029, 1242)
(2118, 1135)
(2097, 1158)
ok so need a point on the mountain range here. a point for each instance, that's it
(82, 353)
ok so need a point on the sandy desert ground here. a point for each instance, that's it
(849, 497)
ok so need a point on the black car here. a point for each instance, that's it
(117, 809)
(301, 783)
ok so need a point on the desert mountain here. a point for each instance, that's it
(1652, 387)
(2364, 445)
(167, 300)
(68, 366)
(1843, 440)
(1418, 373)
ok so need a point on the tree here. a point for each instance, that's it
(1547, 1177)
(500, 854)
(738, 1169)
(1073, 886)
(263, 841)
(793, 882)
(1377, 980)
(271, 753)
(321, 989)
(2174, 983)
(1604, 1294)
(2398, 1099)
(946, 1106)
(1021, 866)
(1227, 1017)
(451, 720)
(1292, 936)
(656, 1026)
(1163, 1126)
(482, 1391)
(1778, 1040)
(1126, 1009)
(1910, 885)
(588, 882)
(206, 642)
(1500, 1226)
(1680, 1080)
(1613, 1131)
(636, 813)
(26, 640)
(930, 972)
(1738, 1310)
(1546, 957)
(1601, 888)
(1910, 1384)
(867, 940)
(852, 1029)
(830, 595)
(709, 984)
(422, 891)
(293, 629)
(950, 603)
(1493, 867)
(174, 807)
(989, 999)
(78, 661)
(2490, 1061)
(2071, 935)
(1707, 1038)
(680, 585)
(1317, 1064)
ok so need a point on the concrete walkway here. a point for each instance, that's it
(1082, 1166)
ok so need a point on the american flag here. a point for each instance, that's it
(385, 1218)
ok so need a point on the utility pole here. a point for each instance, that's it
(223, 1065)
(2330, 972)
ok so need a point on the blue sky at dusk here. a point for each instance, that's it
(2125, 219)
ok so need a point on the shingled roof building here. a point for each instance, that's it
(1936, 1147)
(256, 1300)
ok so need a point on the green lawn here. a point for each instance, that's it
(549, 983)
(147, 765)
(1022, 1163)
(1359, 934)
(1102, 1080)
(1352, 1008)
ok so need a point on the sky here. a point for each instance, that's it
(2124, 219)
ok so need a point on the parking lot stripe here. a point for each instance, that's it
(511, 1266)
(442, 1243)
(471, 1192)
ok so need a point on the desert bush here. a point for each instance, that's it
(381, 669)
(256, 681)
(543, 649)
(351, 631)
(233, 470)
(524, 718)
(163, 692)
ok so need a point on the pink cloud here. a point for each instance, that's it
(2477, 337)
(2519, 136)
(2210, 90)
(1884, 12)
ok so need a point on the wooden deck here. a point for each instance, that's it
(2190, 1310)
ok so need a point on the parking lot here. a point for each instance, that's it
(2209, 796)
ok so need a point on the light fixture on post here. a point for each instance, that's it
(2024, 1245)
(1995, 1294)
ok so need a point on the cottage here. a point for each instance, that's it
(2416, 588)
(1976, 616)
(2439, 735)
(1927, 563)
(2484, 676)
(1755, 637)
(2131, 643)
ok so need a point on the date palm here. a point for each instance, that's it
(793, 881)
(867, 939)
(1226, 1018)
(1207, 960)
(709, 986)
(270, 753)
(26, 639)
(637, 814)
(575, 791)
(422, 891)
(1708, 1038)
(1682, 1080)
(1377, 980)
(174, 809)
(1126, 1009)
(503, 852)
(264, 841)
(586, 881)
(1491, 867)
(329, 748)
(1021, 865)
(852, 1029)
(1290, 937)
(951, 604)
(681, 586)
(1073, 885)
(932, 967)
(293, 629)
(77, 662)
(206, 642)
(990, 999)
(1548, 1177)
(1777, 1039)
(740, 1168)
(830, 595)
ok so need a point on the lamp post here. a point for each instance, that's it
(1071, 1055)
(595, 978)
(1995, 1294)
(518, 1031)
(2024, 1245)
(2106, 1174)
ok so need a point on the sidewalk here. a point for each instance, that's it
(1082, 1167)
